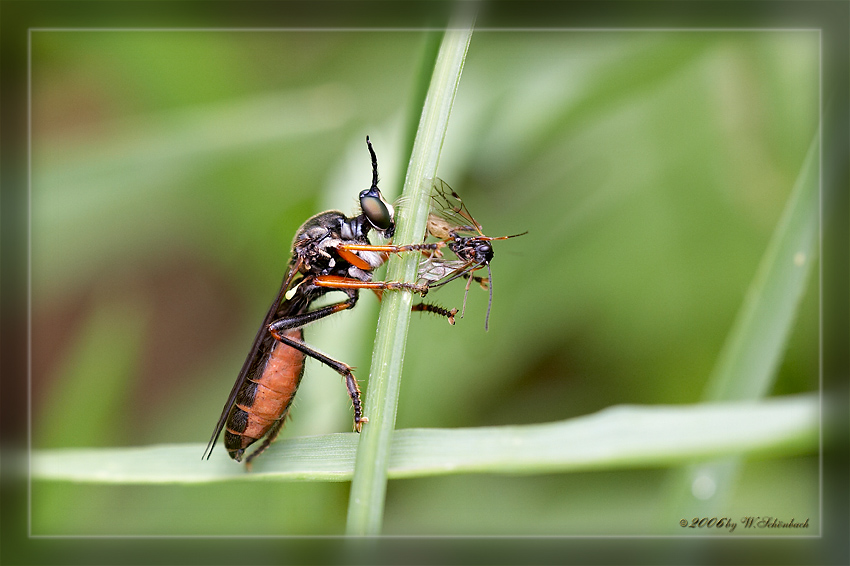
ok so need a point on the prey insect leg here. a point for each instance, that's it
(435, 309)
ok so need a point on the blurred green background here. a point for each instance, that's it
(170, 171)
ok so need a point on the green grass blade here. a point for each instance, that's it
(755, 345)
(368, 487)
(747, 364)
(620, 437)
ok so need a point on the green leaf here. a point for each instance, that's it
(755, 345)
(618, 437)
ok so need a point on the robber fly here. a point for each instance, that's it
(330, 252)
(451, 222)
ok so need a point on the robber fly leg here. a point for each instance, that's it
(278, 328)
(392, 248)
(270, 437)
(341, 368)
(344, 283)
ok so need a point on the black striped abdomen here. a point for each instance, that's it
(265, 399)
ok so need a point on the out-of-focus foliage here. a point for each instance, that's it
(171, 169)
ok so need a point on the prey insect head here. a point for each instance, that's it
(483, 251)
(377, 211)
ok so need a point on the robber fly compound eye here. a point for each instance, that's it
(378, 212)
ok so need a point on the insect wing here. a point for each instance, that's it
(438, 271)
(449, 214)
(449, 220)
(433, 269)
(249, 360)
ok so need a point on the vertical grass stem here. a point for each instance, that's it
(368, 486)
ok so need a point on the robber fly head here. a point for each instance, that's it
(375, 209)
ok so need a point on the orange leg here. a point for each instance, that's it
(356, 260)
(337, 282)
(391, 248)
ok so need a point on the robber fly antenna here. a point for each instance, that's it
(374, 164)
(376, 210)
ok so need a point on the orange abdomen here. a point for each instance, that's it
(265, 398)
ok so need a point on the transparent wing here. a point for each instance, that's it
(262, 333)
(438, 271)
(449, 213)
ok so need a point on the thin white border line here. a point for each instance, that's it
(425, 29)
(820, 275)
(427, 537)
(29, 283)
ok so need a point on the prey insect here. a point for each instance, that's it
(330, 252)
(451, 222)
